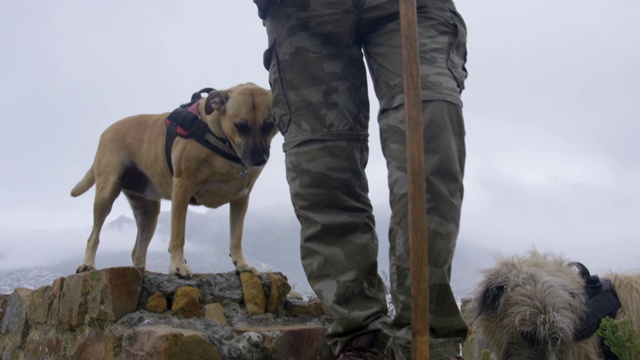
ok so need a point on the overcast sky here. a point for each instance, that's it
(551, 110)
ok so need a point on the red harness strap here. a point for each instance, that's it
(185, 122)
(193, 109)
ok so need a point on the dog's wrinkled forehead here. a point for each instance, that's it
(248, 100)
(249, 106)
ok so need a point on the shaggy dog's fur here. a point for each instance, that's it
(529, 308)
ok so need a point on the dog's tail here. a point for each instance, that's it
(85, 184)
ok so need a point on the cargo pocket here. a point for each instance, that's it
(458, 51)
(280, 105)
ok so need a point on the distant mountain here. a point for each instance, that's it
(271, 243)
(122, 223)
(31, 279)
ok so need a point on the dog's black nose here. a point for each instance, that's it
(260, 160)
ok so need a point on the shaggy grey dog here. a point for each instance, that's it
(529, 308)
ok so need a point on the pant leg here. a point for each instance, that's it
(318, 79)
(339, 246)
(442, 55)
(444, 161)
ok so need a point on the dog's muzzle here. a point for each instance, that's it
(257, 158)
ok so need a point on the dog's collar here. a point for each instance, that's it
(601, 301)
(185, 121)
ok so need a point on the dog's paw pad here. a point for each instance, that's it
(85, 268)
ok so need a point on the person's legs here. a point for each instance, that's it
(442, 55)
(318, 79)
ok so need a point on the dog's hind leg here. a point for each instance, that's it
(146, 213)
(106, 194)
(237, 211)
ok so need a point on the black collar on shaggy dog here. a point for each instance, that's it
(185, 122)
(601, 301)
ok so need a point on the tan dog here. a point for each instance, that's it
(532, 307)
(131, 158)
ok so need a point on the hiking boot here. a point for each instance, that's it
(368, 346)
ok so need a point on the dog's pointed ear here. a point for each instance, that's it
(215, 101)
(489, 299)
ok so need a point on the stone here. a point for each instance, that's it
(186, 302)
(215, 312)
(44, 348)
(290, 342)
(15, 316)
(163, 342)
(105, 295)
(278, 294)
(297, 308)
(254, 296)
(295, 295)
(70, 319)
(3, 305)
(95, 345)
(41, 305)
(73, 301)
(119, 292)
(157, 303)
(56, 289)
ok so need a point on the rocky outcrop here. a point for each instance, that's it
(125, 313)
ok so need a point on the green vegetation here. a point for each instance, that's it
(486, 355)
(620, 337)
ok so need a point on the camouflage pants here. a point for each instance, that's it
(316, 62)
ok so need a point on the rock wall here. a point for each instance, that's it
(126, 313)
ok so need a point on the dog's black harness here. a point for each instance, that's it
(601, 301)
(185, 121)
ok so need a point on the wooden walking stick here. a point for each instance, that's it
(419, 260)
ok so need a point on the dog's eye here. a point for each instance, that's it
(267, 127)
(530, 336)
(243, 128)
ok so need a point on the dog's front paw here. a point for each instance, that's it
(183, 271)
(85, 268)
(246, 268)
